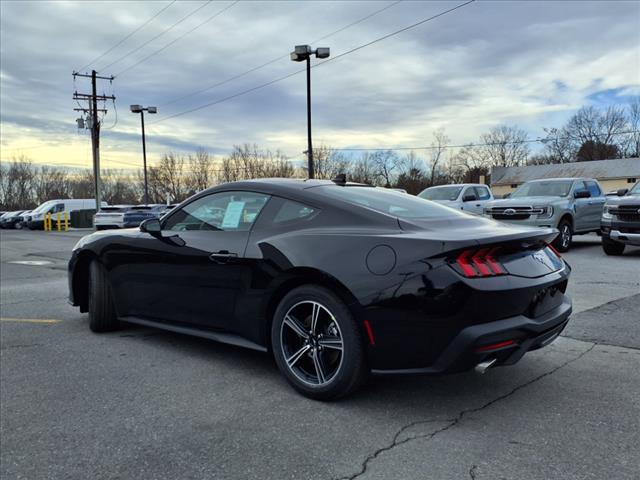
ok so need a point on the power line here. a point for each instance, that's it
(127, 36)
(158, 35)
(474, 145)
(281, 57)
(219, 12)
(279, 79)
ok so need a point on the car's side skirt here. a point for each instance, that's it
(222, 337)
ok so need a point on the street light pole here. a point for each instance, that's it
(144, 159)
(303, 53)
(310, 166)
(140, 109)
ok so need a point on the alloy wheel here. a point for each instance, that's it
(566, 235)
(311, 343)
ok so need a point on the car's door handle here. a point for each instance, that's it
(222, 256)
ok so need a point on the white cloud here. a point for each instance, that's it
(524, 63)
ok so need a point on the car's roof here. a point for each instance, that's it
(557, 179)
(277, 185)
(459, 185)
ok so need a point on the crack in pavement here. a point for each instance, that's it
(452, 422)
(26, 345)
(472, 472)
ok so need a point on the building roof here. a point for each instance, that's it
(598, 169)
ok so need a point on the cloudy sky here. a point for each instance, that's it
(490, 62)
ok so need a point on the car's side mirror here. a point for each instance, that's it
(581, 194)
(622, 192)
(151, 225)
(469, 197)
(506, 195)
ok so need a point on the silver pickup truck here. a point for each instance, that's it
(572, 205)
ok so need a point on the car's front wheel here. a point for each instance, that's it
(102, 312)
(611, 247)
(317, 344)
(563, 240)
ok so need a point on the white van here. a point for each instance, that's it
(68, 205)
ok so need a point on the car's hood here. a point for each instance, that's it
(523, 201)
(448, 203)
(626, 200)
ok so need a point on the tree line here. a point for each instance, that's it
(590, 134)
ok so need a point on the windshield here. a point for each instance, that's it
(385, 201)
(635, 190)
(555, 188)
(44, 206)
(440, 193)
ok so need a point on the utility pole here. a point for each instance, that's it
(95, 124)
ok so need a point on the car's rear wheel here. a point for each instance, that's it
(563, 240)
(611, 247)
(102, 312)
(317, 344)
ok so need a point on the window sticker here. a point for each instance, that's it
(233, 215)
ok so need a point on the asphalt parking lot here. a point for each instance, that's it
(146, 404)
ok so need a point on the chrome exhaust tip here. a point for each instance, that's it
(483, 366)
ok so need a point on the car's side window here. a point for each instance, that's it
(224, 211)
(469, 191)
(579, 185)
(291, 211)
(483, 193)
(593, 188)
(58, 207)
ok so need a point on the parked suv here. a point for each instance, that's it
(470, 197)
(620, 222)
(572, 205)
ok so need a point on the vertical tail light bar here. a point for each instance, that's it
(480, 263)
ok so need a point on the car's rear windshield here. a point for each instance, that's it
(554, 188)
(440, 193)
(387, 201)
(122, 208)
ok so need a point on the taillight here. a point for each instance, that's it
(554, 250)
(480, 263)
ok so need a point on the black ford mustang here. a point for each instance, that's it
(334, 279)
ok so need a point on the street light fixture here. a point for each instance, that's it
(140, 109)
(300, 54)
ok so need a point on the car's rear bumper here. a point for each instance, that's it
(469, 347)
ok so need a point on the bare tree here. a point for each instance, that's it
(633, 124)
(559, 146)
(49, 183)
(20, 183)
(167, 179)
(504, 146)
(596, 135)
(387, 163)
(200, 174)
(327, 163)
(439, 144)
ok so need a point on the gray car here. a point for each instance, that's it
(621, 221)
(572, 205)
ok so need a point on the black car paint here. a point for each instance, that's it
(425, 316)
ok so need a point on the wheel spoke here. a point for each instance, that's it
(317, 363)
(292, 360)
(296, 326)
(315, 313)
(334, 343)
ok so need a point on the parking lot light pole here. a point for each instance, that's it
(140, 109)
(303, 53)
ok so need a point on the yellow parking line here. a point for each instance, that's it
(30, 320)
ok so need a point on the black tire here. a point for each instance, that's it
(562, 243)
(102, 313)
(335, 324)
(611, 247)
